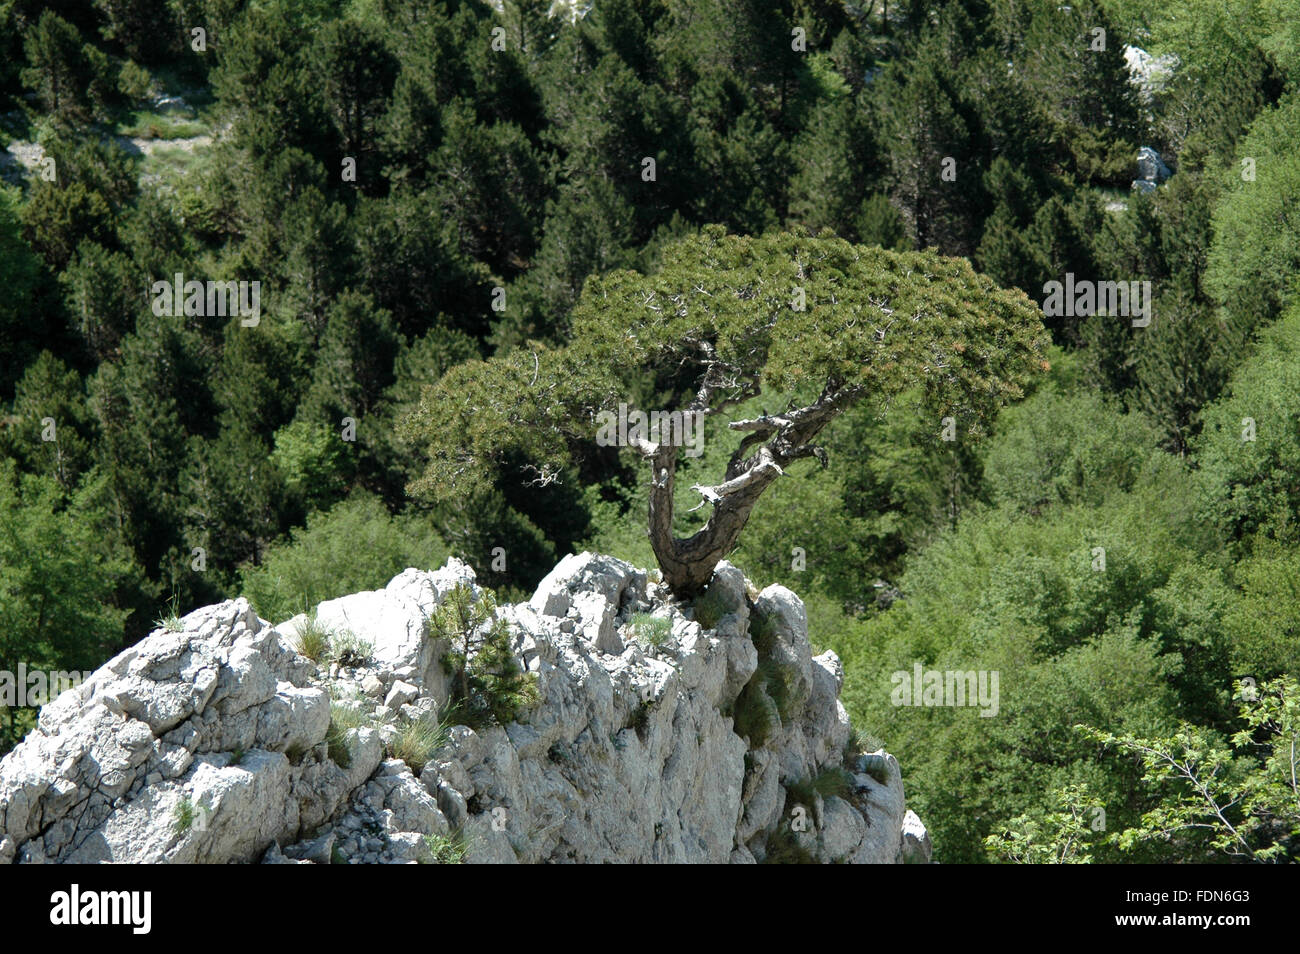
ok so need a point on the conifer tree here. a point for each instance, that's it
(814, 322)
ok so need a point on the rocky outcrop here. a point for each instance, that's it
(660, 732)
(1149, 74)
(1151, 170)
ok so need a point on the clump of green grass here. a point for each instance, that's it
(766, 702)
(860, 743)
(762, 631)
(312, 639)
(783, 848)
(755, 716)
(147, 123)
(339, 752)
(449, 849)
(171, 620)
(650, 629)
(771, 697)
(831, 782)
(416, 741)
(876, 767)
(640, 718)
(778, 682)
(171, 160)
(347, 716)
(853, 746)
(349, 649)
(709, 608)
(342, 719)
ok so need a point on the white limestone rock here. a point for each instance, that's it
(916, 848)
(214, 744)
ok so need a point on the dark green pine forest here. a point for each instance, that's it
(420, 185)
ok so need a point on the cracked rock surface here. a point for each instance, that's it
(665, 732)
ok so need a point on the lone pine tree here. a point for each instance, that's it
(724, 319)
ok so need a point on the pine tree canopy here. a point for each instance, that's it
(725, 318)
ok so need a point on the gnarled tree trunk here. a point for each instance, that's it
(688, 564)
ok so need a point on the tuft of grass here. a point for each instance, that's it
(172, 160)
(416, 742)
(709, 608)
(650, 629)
(833, 781)
(778, 683)
(640, 719)
(762, 631)
(312, 639)
(342, 719)
(349, 649)
(876, 767)
(769, 698)
(853, 746)
(448, 849)
(755, 715)
(171, 620)
(766, 702)
(150, 124)
(236, 756)
(783, 848)
(339, 752)
(347, 716)
(860, 743)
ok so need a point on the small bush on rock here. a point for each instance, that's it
(171, 621)
(183, 816)
(489, 687)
